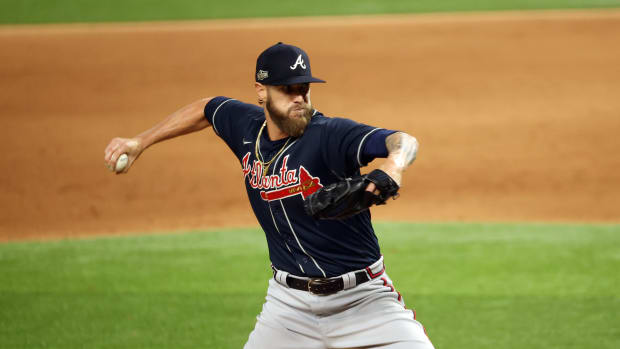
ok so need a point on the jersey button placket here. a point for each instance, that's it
(300, 258)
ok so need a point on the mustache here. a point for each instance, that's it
(304, 109)
(292, 125)
(300, 106)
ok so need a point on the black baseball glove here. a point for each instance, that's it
(349, 197)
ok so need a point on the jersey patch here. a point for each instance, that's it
(283, 183)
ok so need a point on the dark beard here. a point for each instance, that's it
(292, 126)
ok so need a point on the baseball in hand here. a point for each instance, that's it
(121, 163)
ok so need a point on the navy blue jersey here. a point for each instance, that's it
(329, 150)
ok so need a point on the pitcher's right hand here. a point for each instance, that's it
(130, 146)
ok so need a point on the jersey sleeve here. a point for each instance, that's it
(375, 147)
(229, 119)
(342, 144)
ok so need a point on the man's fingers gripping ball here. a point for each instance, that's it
(121, 163)
(120, 153)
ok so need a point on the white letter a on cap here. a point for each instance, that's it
(300, 62)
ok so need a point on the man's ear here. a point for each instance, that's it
(261, 92)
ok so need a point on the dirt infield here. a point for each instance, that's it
(517, 114)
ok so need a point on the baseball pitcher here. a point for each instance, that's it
(301, 169)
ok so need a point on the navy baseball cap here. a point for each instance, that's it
(283, 64)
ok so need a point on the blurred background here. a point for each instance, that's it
(516, 112)
(506, 231)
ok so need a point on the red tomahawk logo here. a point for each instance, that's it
(307, 185)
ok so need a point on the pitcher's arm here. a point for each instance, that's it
(186, 120)
(402, 151)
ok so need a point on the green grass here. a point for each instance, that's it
(472, 285)
(48, 11)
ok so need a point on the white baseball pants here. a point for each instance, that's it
(370, 315)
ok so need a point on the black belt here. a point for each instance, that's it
(323, 286)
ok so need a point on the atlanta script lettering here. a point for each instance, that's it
(283, 183)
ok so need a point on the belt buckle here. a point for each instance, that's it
(317, 286)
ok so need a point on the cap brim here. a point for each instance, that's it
(296, 80)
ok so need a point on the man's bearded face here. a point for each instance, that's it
(294, 120)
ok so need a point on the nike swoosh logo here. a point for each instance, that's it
(246, 142)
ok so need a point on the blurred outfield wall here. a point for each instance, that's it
(58, 11)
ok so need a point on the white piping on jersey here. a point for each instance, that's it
(359, 149)
(274, 219)
(275, 225)
(216, 109)
(299, 243)
(275, 165)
